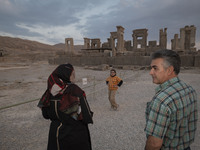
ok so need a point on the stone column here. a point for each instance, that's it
(163, 38)
(120, 39)
(69, 45)
(182, 38)
(187, 38)
(109, 43)
(172, 44)
(87, 43)
(176, 42)
(134, 41)
(112, 42)
(192, 36)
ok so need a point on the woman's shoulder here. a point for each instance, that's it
(73, 85)
(74, 88)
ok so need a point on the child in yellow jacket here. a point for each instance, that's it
(113, 83)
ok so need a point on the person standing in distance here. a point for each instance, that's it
(113, 83)
(171, 115)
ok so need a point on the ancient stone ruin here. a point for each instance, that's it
(69, 44)
(186, 41)
(117, 51)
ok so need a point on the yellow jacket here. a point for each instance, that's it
(113, 82)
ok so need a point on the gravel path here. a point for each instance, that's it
(23, 128)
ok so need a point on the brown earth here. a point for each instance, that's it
(24, 70)
(22, 50)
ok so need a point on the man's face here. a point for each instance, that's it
(158, 72)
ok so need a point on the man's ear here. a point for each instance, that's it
(170, 70)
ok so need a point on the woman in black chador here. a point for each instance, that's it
(65, 104)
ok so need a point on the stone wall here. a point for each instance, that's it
(197, 61)
(187, 60)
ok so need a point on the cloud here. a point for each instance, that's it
(54, 33)
(7, 7)
(53, 21)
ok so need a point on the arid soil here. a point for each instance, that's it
(23, 127)
(24, 70)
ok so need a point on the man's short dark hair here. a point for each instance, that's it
(171, 58)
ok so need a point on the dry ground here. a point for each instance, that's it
(23, 128)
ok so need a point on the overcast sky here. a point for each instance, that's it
(51, 21)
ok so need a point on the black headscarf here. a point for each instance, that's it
(72, 94)
(61, 77)
(63, 72)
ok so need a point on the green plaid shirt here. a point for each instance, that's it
(172, 114)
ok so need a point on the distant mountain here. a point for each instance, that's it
(60, 45)
(27, 50)
(16, 49)
(9, 43)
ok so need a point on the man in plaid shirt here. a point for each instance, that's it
(171, 116)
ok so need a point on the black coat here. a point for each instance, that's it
(65, 132)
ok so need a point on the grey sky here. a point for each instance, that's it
(51, 21)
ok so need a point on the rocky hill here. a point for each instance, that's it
(16, 49)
